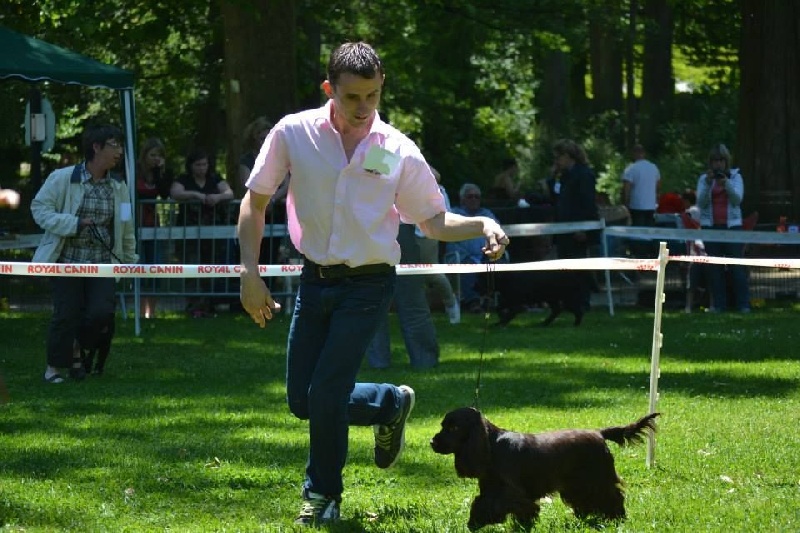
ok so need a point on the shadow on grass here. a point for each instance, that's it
(764, 335)
(188, 391)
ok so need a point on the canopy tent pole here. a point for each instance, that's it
(129, 114)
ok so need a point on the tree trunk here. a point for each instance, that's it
(260, 69)
(768, 141)
(658, 83)
(310, 71)
(552, 100)
(630, 79)
(452, 47)
(210, 117)
(605, 52)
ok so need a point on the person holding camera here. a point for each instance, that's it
(719, 196)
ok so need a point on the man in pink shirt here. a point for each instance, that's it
(354, 178)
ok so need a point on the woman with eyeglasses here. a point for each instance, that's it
(85, 213)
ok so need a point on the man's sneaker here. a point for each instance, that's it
(317, 509)
(391, 438)
(454, 313)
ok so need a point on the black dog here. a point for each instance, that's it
(560, 290)
(514, 470)
(100, 349)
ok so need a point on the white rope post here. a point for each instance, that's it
(655, 371)
(609, 296)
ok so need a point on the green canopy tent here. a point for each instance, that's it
(30, 59)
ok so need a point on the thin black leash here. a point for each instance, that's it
(490, 273)
(95, 233)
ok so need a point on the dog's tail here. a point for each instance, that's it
(631, 433)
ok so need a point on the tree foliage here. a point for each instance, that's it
(472, 81)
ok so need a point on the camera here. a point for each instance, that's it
(720, 174)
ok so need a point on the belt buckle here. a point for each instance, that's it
(321, 271)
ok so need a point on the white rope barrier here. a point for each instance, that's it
(229, 271)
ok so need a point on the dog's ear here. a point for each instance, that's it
(472, 460)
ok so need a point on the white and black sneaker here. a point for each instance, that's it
(317, 509)
(390, 439)
(454, 313)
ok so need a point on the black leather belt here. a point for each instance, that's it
(344, 271)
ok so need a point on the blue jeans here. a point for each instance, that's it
(469, 288)
(411, 303)
(332, 324)
(717, 281)
(439, 283)
(416, 324)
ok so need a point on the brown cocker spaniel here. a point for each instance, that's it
(514, 470)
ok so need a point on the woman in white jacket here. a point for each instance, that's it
(719, 196)
(86, 216)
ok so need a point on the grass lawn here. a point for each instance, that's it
(188, 430)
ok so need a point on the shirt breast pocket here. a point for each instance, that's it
(371, 195)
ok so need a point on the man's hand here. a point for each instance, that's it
(496, 240)
(84, 223)
(256, 298)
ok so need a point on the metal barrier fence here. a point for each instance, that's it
(190, 233)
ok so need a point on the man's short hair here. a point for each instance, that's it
(467, 188)
(99, 135)
(570, 148)
(354, 58)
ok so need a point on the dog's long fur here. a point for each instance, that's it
(514, 470)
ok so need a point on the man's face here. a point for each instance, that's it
(471, 201)
(355, 99)
(108, 154)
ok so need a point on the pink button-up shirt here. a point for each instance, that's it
(337, 211)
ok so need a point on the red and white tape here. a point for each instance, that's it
(228, 271)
